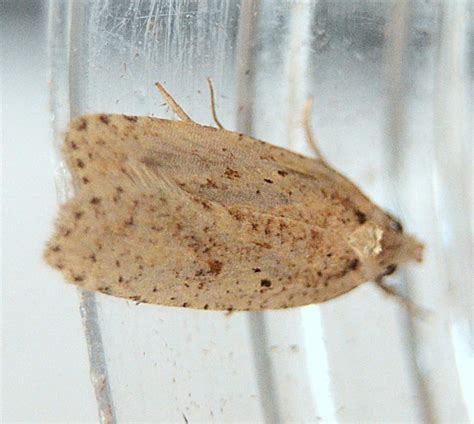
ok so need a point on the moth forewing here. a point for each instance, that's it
(181, 214)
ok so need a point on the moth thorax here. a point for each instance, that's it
(367, 240)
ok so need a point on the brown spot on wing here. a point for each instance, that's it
(215, 267)
(82, 125)
(361, 217)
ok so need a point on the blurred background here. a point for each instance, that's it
(392, 86)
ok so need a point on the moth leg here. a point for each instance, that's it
(407, 303)
(213, 104)
(172, 103)
(311, 140)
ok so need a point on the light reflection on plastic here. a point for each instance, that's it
(465, 363)
(317, 363)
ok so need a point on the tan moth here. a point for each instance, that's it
(177, 213)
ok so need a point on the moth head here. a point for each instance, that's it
(398, 245)
(382, 245)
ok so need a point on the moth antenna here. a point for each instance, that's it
(213, 104)
(418, 311)
(172, 103)
(311, 140)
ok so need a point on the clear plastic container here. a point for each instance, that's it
(392, 88)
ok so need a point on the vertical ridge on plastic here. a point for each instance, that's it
(299, 42)
(397, 75)
(247, 28)
(64, 100)
(453, 192)
(97, 361)
(245, 115)
(297, 69)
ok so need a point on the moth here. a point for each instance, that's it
(181, 214)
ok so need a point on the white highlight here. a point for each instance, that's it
(319, 374)
(465, 363)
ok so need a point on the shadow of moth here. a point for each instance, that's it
(176, 213)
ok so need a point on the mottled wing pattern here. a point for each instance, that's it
(181, 214)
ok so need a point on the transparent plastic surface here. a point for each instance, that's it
(392, 89)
